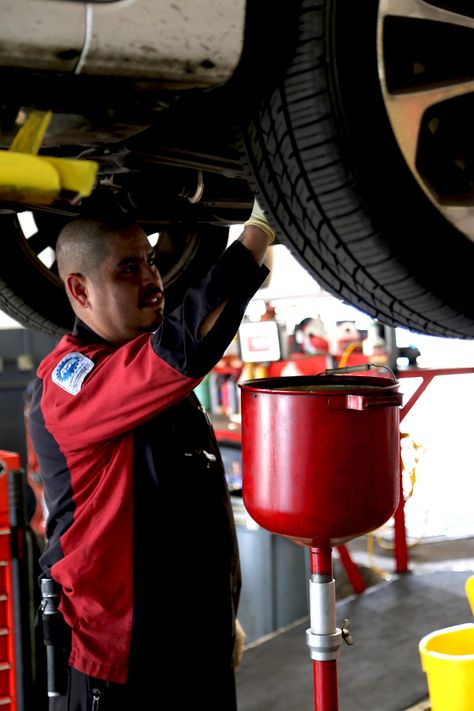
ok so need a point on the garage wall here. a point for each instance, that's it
(21, 351)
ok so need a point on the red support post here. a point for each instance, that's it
(321, 561)
(401, 548)
(323, 622)
(325, 686)
(426, 375)
(352, 571)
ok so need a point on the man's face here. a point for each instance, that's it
(125, 295)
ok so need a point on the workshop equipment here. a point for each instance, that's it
(11, 687)
(20, 665)
(321, 461)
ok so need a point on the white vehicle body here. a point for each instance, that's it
(185, 42)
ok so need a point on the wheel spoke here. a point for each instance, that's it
(420, 10)
(39, 241)
(414, 79)
(407, 112)
(460, 216)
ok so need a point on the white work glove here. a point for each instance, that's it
(258, 219)
(238, 645)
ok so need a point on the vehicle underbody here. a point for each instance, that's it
(322, 118)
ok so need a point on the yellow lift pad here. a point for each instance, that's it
(40, 180)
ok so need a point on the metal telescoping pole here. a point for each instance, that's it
(54, 636)
(323, 637)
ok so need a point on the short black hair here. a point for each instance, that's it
(82, 244)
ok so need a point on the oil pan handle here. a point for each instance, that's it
(362, 402)
(358, 368)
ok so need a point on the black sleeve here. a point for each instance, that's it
(235, 279)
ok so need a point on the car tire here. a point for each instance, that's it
(32, 293)
(321, 152)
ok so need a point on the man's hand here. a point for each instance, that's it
(258, 219)
(239, 645)
(257, 234)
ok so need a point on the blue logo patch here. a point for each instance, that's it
(70, 372)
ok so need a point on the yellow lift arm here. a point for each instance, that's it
(40, 180)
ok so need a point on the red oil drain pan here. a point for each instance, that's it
(321, 454)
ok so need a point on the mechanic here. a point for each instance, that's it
(140, 532)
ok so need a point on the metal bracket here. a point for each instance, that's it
(346, 635)
(324, 647)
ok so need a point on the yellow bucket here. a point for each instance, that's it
(447, 658)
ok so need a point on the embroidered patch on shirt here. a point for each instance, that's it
(70, 372)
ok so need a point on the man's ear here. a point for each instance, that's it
(76, 288)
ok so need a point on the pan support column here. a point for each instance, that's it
(323, 637)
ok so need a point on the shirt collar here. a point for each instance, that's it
(83, 333)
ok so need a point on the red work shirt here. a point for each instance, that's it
(92, 418)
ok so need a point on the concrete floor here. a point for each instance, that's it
(426, 556)
(382, 671)
(376, 564)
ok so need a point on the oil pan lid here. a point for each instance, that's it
(337, 380)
